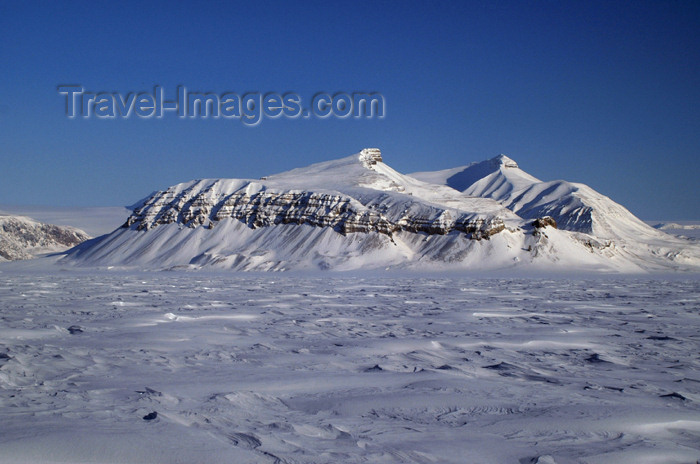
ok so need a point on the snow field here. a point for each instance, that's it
(300, 368)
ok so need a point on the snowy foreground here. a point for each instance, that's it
(347, 368)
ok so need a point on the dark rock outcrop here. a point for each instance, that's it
(543, 222)
(267, 208)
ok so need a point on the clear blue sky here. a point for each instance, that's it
(605, 93)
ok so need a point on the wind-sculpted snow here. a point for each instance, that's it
(24, 238)
(214, 368)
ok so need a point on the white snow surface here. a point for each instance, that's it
(358, 213)
(346, 368)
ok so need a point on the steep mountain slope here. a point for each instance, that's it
(574, 206)
(351, 213)
(494, 178)
(24, 238)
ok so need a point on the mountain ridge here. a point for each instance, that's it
(573, 205)
(357, 212)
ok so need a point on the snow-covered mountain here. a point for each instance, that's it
(24, 238)
(574, 206)
(93, 220)
(351, 213)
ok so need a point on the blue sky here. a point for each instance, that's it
(605, 93)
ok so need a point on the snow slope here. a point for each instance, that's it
(350, 213)
(24, 238)
(574, 206)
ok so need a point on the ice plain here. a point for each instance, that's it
(347, 368)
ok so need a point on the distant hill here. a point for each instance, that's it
(24, 238)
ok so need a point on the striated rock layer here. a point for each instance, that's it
(194, 208)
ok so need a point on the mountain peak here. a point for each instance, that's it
(360, 169)
(503, 160)
(370, 156)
